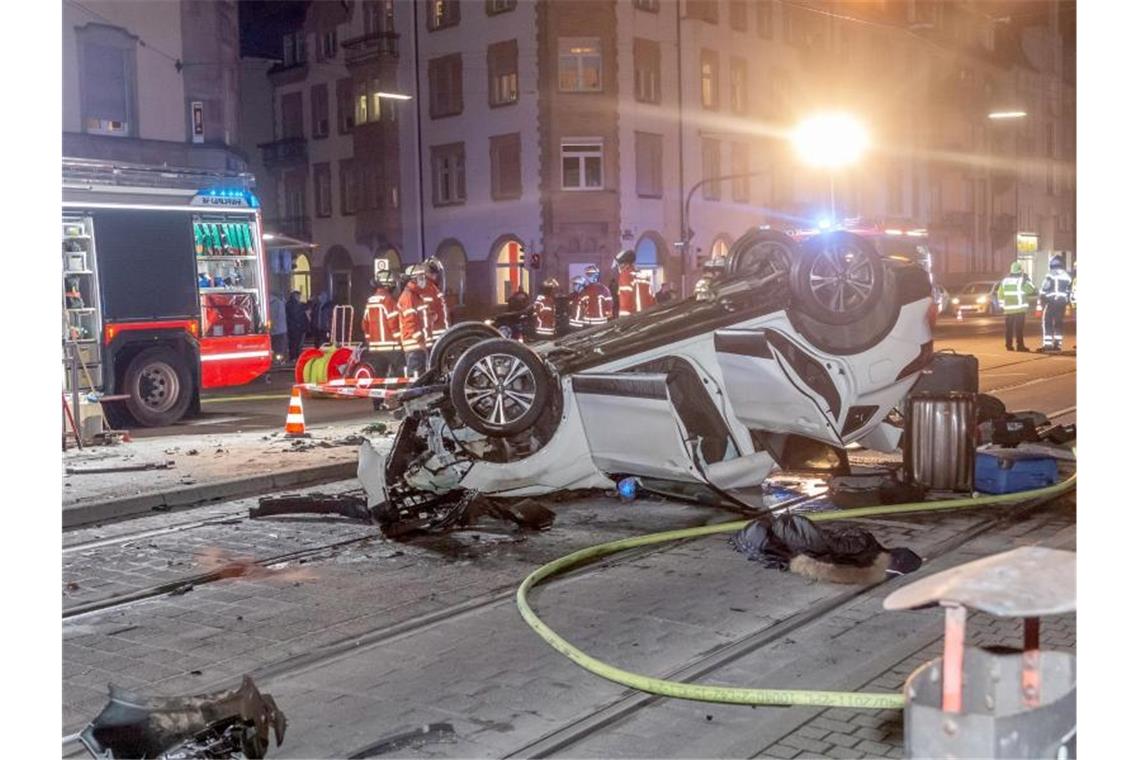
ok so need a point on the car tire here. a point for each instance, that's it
(487, 404)
(160, 387)
(760, 252)
(837, 278)
(454, 342)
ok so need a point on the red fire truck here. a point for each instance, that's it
(164, 280)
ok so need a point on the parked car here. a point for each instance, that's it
(981, 297)
(796, 346)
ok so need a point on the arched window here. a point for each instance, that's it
(300, 279)
(454, 260)
(511, 272)
(719, 248)
(649, 259)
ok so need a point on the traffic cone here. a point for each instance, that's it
(295, 419)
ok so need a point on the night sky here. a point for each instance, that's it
(264, 22)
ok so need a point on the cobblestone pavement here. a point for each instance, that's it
(483, 672)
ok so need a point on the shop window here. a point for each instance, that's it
(442, 14)
(445, 85)
(511, 272)
(580, 64)
(710, 168)
(503, 73)
(322, 189)
(506, 167)
(582, 164)
(646, 71)
(710, 79)
(649, 160)
(449, 181)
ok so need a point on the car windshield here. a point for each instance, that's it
(975, 288)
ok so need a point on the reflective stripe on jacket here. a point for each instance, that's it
(1056, 286)
(634, 294)
(544, 314)
(381, 321)
(596, 305)
(415, 332)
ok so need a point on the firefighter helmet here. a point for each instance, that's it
(578, 283)
(550, 284)
(416, 273)
(593, 274)
(1015, 268)
(1056, 263)
(625, 257)
(385, 278)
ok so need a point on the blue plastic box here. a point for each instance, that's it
(1013, 471)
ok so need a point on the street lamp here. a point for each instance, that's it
(831, 141)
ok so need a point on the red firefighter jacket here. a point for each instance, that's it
(544, 314)
(435, 307)
(634, 295)
(595, 305)
(381, 321)
(415, 323)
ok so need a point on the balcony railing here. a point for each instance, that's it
(290, 151)
(369, 46)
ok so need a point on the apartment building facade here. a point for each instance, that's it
(545, 136)
(153, 83)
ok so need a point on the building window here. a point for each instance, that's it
(108, 80)
(506, 167)
(738, 15)
(710, 79)
(445, 85)
(372, 16)
(442, 13)
(646, 71)
(373, 186)
(322, 189)
(344, 106)
(764, 18)
(500, 6)
(647, 5)
(293, 51)
(710, 167)
(361, 99)
(503, 73)
(349, 187)
(581, 164)
(449, 183)
(705, 10)
(741, 186)
(327, 50)
(295, 202)
(292, 116)
(580, 64)
(649, 161)
(738, 85)
(374, 109)
(319, 100)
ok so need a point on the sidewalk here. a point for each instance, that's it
(111, 482)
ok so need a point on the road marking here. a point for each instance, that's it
(219, 421)
(251, 397)
(1027, 383)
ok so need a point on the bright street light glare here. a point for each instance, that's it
(830, 140)
(1008, 114)
(393, 95)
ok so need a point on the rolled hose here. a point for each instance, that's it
(729, 694)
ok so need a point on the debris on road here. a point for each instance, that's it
(136, 467)
(346, 505)
(868, 486)
(233, 723)
(837, 554)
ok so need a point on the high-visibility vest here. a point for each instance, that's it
(1015, 290)
(596, 305)
(381, 322)
(544, 314)
(634, 294)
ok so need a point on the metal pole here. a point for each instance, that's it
(73, 368)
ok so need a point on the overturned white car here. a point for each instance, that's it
(811, 343)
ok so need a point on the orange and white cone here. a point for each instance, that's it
(295, 419)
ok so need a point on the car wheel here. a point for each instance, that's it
(760, 253)
(451, 345)
(159, 385)
(499, 387)
(838, 278)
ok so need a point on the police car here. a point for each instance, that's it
(798, 346)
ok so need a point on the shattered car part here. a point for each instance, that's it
(800, 350)
(347, 505)
(228, 724)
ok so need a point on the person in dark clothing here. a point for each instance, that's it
(297, 324)
(665, 294)
(320, 319)
(518, 301)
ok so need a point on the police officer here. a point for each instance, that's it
(634, 293)
(1056, 294)
(544, 311)
(1016, 292)
(574, 303)
(415, 320)
(595, 305)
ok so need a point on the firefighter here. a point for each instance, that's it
(381, 323)
(415, 320)
(634, 292)
(1016, 293)
(544, 308)
(1056, 294)
(433, 295)
(595, 305)
(574, 303)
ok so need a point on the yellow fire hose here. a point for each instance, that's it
(728, 694)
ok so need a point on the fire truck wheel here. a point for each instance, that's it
(159, 385)
(838, 278)
(451, 345)
(499, 387)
